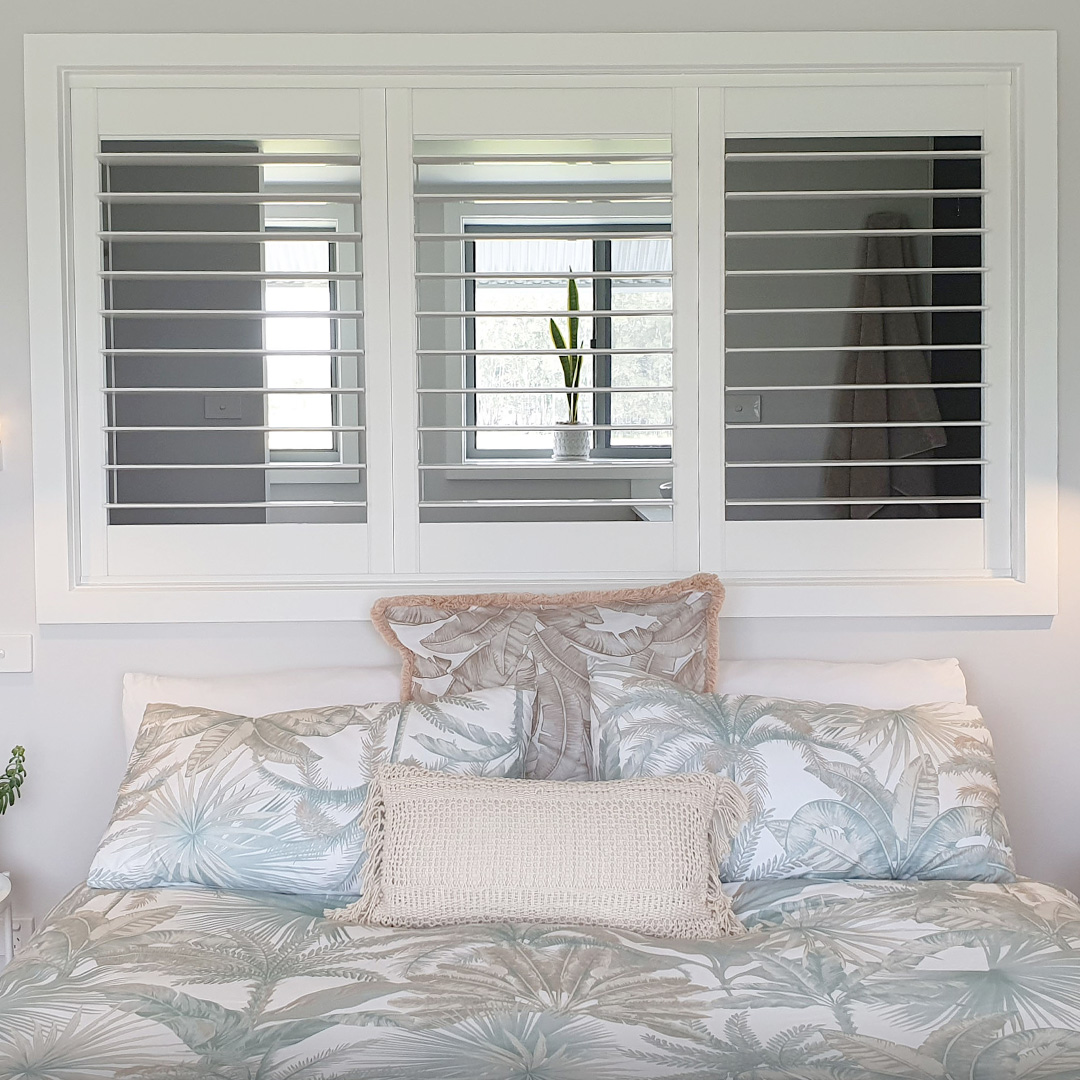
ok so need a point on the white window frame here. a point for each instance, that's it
(336, 583)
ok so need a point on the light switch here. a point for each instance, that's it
(16, 653)
(222, 406)
(743, 409)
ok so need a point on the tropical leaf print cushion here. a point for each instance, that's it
(460, 644)
(836, 791)
(274, 802)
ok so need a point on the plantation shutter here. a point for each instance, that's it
(863, 274)
(517, 199)
(312, 324)
(225, 322)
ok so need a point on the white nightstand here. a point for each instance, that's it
(7, 945)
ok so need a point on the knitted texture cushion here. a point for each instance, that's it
(639, 855)
(547, 643)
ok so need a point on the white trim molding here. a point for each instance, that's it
(696, 90)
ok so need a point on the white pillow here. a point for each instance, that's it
(895, 684)
(259, 693)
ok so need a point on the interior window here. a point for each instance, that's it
(545, 328)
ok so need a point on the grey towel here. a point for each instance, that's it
(876, 363)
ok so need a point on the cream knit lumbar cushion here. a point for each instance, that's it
(633, 854)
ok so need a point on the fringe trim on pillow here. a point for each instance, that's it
(732, 810)
(373, 824)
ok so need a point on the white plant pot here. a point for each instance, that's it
(572, 442)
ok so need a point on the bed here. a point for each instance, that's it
(847, 981)
(946, 967)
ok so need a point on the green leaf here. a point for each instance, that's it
(11, 779)
(568, 371)
(556, 335)
(573, 303)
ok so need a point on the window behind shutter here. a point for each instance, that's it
(233, 355)
(527, 233)
(854, 327)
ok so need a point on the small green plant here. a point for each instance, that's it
(11, 779)
(569, 357)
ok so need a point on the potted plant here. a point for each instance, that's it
(11, 779)
(572, 439)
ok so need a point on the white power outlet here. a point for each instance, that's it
(22, 929)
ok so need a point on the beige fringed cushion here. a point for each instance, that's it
(460, 644)
(633, 854)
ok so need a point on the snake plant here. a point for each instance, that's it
(570, 359)
(11, 779)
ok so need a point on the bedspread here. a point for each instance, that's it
(833, 981)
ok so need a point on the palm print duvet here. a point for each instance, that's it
(856, 980)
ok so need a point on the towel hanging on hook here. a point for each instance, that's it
(878, 364)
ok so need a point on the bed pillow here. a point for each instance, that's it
(259, 693)
(459, 644)
(637, 855)
(836, 791)
(892, 684)
(273, 803)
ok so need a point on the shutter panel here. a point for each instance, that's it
(291, 321)
(860, 323)
(514, 232)
(219, 335)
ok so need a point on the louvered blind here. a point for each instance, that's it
(232, 335)
(503, 230)
(854, 303)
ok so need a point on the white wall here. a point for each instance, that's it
(1025, 674)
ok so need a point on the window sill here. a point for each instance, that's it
(510, 469)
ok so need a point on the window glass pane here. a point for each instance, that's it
(504, 369)
(653, 333)
(285, 369)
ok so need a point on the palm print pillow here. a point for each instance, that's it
(273, 803)
(835, 791)
(460, 644)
